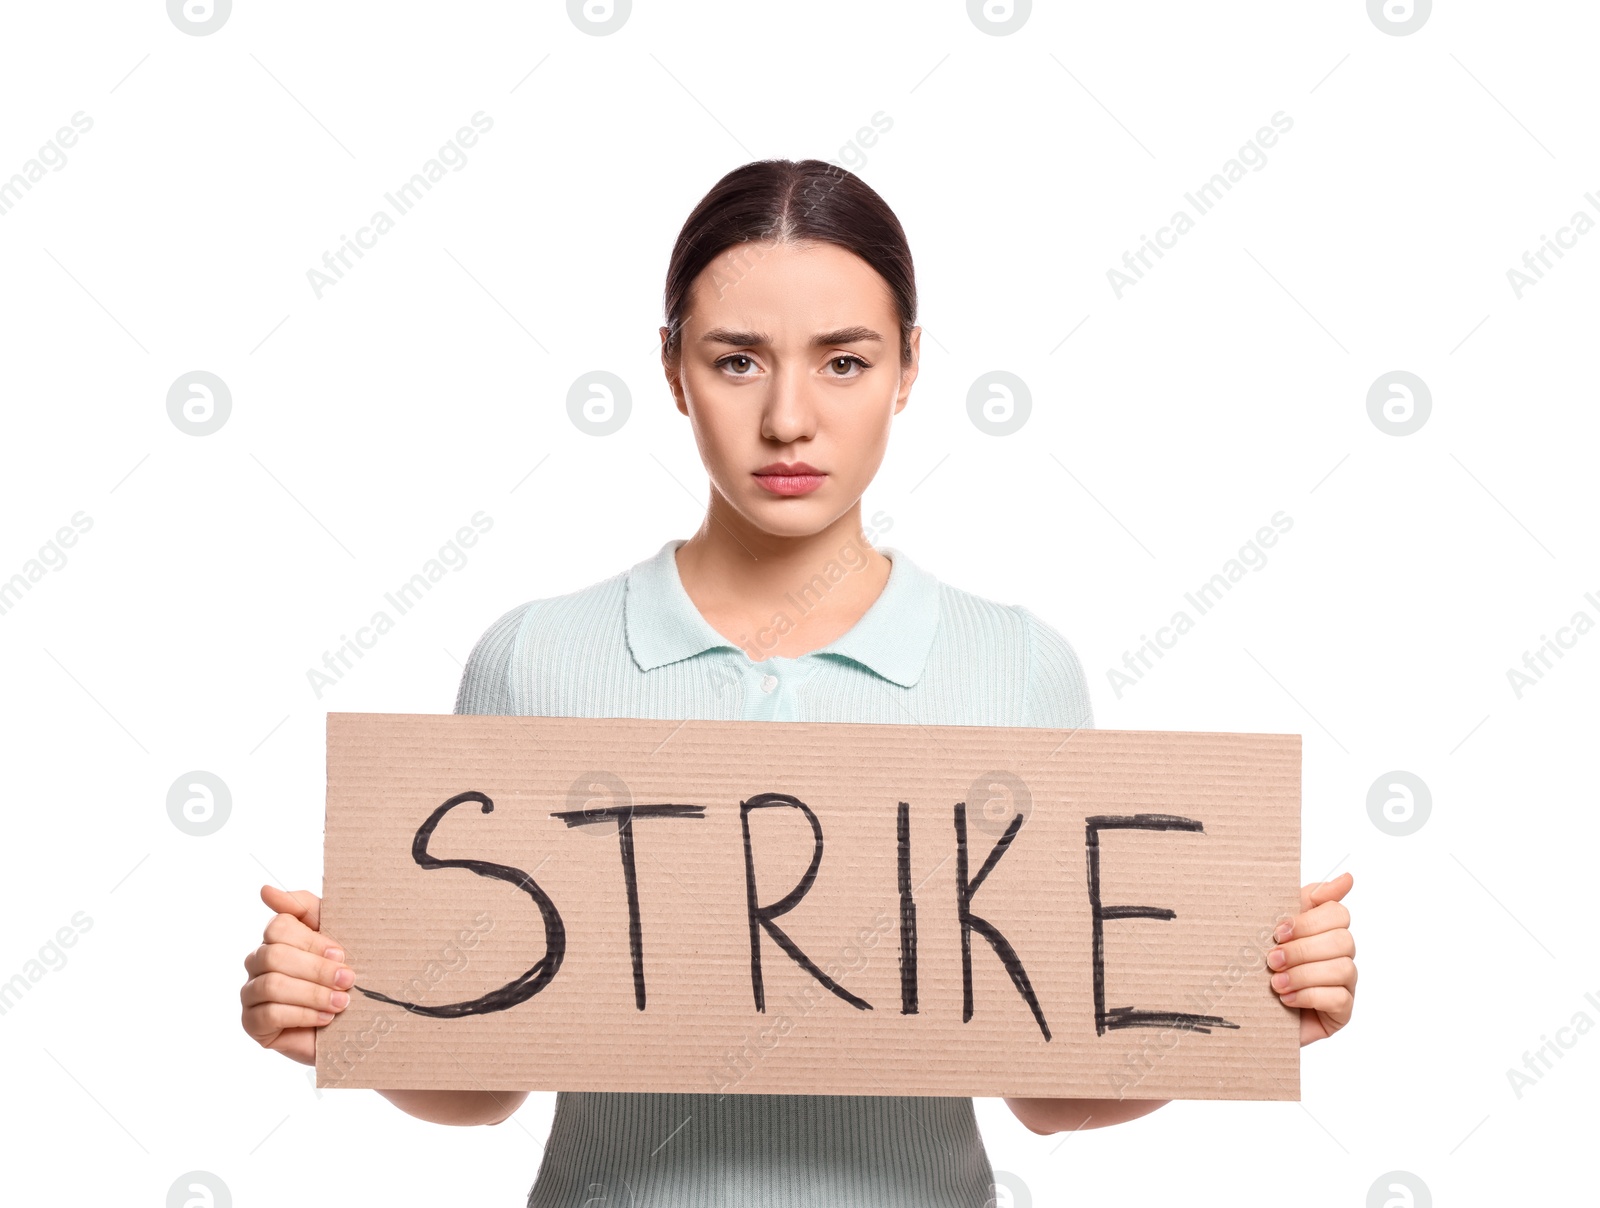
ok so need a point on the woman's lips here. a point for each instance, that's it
(790, 484)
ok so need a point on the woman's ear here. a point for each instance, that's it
(908, 375)
(671, 365)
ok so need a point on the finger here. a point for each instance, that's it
(1340, 971)
(1329, 916)
(1336, 1001)
(292, 991)
(264, 1021)
(287, 929)
(1319, 892)
(302, 903)
(296, 962)
(1325, 946)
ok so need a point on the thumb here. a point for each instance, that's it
(1325, 891)
(302, 903)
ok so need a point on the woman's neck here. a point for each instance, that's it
(777, 595)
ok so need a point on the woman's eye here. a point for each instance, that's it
(741, 365)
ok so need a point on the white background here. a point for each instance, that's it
(368, 425)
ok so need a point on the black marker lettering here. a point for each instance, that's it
(555, 933)
(625, 814)
(1130, 1017)
(969, 921)
(762, 916)
(908, 915)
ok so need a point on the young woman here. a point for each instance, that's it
(790, 345)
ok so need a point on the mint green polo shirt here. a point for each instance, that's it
(635, 645)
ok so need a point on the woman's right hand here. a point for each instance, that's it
(298, 981)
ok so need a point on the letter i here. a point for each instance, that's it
(908, 913)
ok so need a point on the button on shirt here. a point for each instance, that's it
(635, 645)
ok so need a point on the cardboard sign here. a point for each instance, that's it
(746, 907)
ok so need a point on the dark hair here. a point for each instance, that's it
(785, 199)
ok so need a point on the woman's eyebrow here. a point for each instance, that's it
(750, 339)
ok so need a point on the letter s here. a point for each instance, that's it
(486, 124)
(86, 124)
(886, 124)
(88, 521)
(1286, 124)
(1282, 526)
(85, 925)
(555, 932)
(482, 526)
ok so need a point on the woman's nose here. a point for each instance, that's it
(789, 413)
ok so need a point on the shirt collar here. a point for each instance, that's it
(892, 639)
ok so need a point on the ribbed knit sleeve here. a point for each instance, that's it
(486, 681)
(1057, 694)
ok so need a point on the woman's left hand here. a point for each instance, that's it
(1312, 967)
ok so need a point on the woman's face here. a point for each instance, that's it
(790, 360)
